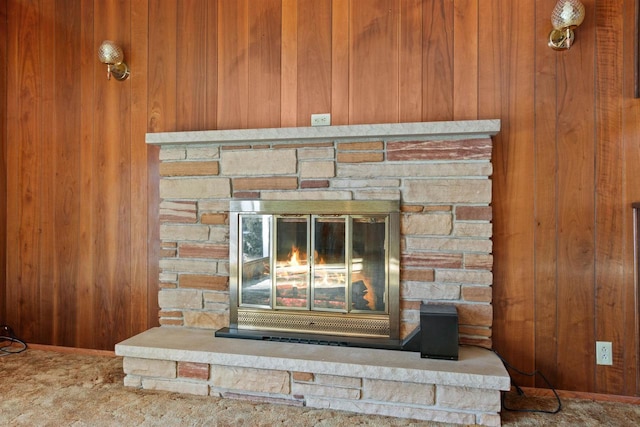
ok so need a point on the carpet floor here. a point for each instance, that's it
(48, 388)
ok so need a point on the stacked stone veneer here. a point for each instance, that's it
(440, 174)
(442, 183)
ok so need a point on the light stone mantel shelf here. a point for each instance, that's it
(466, 129)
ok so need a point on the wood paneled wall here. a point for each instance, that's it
(81, 184)
(76, 177)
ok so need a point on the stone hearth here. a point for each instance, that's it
(439, 172)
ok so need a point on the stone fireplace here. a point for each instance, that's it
(433, 178)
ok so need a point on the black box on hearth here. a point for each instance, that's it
(438, 331)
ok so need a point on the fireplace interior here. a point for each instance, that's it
(323, 272)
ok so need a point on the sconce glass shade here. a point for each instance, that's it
(111, 54)
(566, 15)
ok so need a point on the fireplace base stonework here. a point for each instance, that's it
(439, 173)
(368, 381)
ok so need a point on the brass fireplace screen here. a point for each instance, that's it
(315, 267)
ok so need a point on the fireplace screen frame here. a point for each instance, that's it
(349, 323)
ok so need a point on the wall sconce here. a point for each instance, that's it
(566, 16)
(111, 54)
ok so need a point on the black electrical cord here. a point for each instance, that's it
(9, 342)
(519, 390)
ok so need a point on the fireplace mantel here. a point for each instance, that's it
(439, 175)
(444, 130)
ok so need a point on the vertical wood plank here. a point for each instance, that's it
(85, 289)
(211, 54)
(506, 46)
(314, 61)
(60, 272)
(437, 42)
(576, 206)
(112, 177)
(374, 61)
(162, 66)
(3, 157)
(610, 224)
(410, 69)
(191, 64)
(465, 52)
(264, 87)
(340, 36)
(546, 196)
(144, 288)
(233, 64)
(631, 160)
(23, 90)
(289, 64)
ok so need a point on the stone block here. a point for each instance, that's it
(206, 320)
(265, 183)
(473, 229)
(203, 281)
(306, 390)
(430, 291)
(474, 213)
(195, 232)
(476, 399)
(478, 261)
(470, 277)
(376, 194)
(365, 183)
(250, 379)
(214, 218)
(185, 387)
(360, 157)
(258, 162)
(204, 152)
(195, 188)
(477, 293)
(199, 371)
(172, 153)
(188, 266)
(395, 391)
(180, 298)
(426, 224)
(475, 314)
(447, 191)
(432, 260)
(404, 169)
(447, 244)
(149, 367)
(307, 195)
(394, 410)
(303, 376)
(417, 275)
(361, 146)
(317, 169)
(338, 381)
(132, 381)
(468, 149)
(177, 211)
(188, 168)
(327, 153)
(203, 250)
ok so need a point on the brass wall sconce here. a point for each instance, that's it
(111, 54)
(566, 15)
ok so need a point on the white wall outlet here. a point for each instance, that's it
(321, 119)
(604, 353)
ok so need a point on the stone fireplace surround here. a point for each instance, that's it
(439, 172)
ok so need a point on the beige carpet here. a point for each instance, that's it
(47, 388)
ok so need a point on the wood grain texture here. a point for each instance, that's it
(437, 56)
(410, 61)
(289, 64)
(314, 78)
(631, 184)
(340, 60)
(3, 158)
(546, 196)
(465, 52)
(373, 61)
(610, 207)
(506, 88)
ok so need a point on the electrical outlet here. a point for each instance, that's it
(604, 353)
(321, 119)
